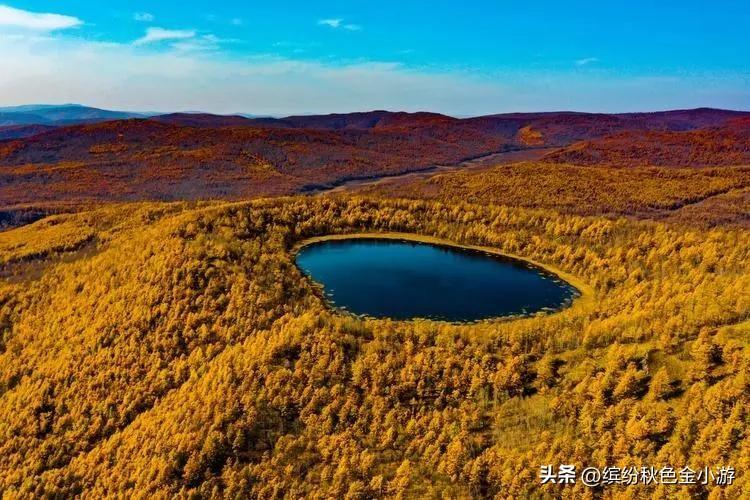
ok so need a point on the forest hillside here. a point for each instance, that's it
(199, 156)
(728, 144)
(699, 197)
(174, 349)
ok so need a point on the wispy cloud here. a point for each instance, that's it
(24, 19)
(144, 17)
(236, 22)
(337, 23)
(331, 23)
(587, 60)
(198, 43)
(155, 35)
(178, 75)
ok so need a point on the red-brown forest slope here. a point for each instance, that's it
(728, 144)
(198, 156)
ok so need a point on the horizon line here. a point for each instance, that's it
(250, 115)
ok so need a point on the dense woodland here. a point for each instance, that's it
(150, 160)
(198, 157)
(728, 144)
(154, 350)
(700, 197)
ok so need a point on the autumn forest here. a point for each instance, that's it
(158, 340)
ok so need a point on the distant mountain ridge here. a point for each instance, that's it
(59, 115)
(365, 120)
(578, 123)
(675, 120)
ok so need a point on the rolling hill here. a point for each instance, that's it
(64, 114)
(728, 144)
(163, 350)
(555, 127)
(143, 159)
(337, 121)
(22, 131)
(201, 156)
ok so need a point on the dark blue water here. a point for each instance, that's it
(403, 280)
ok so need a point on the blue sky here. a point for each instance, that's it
(301, 57)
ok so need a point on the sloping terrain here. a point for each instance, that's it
(174, 350)
(159, 350)
(337, 121)
(199, 156)
(728, 144)
(21, 131)
(140, 159)
(65, 114)
(703, 197)
(15, 119)
(556, 126)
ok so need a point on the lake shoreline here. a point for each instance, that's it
(584, 298)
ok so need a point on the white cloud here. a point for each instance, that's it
(24, 19)
(331, 23)
(337, 23)
(154, 35)
(203, 42)
(587, 60)
(144, 17)
(164, 78)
